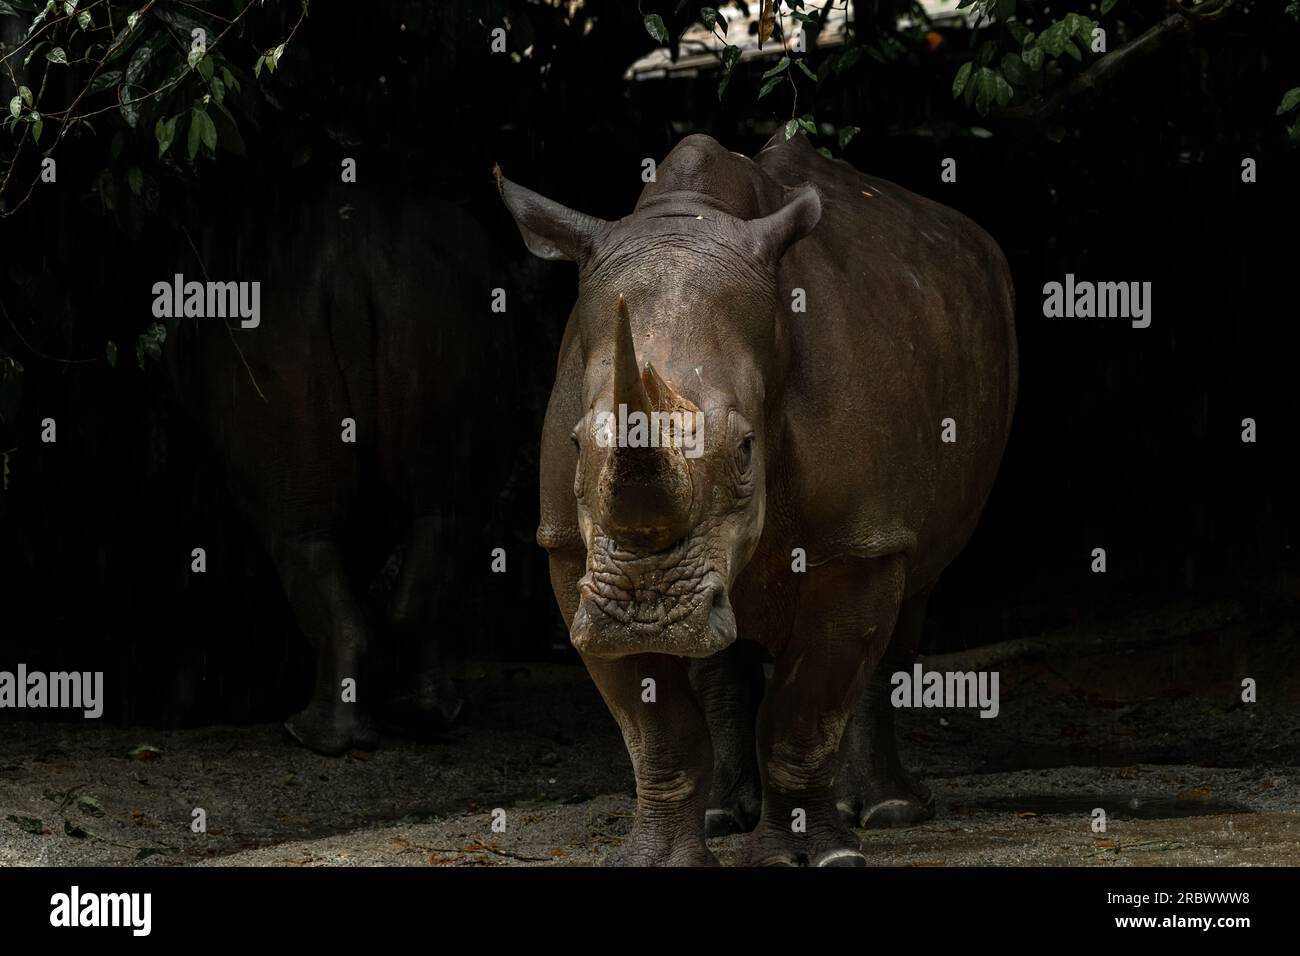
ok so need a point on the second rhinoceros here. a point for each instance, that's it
(829, 364)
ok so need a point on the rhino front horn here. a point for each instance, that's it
(645, 493)
(629, 390)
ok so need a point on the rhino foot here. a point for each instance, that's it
(828, 843)
(332, 731)
(636, 853)
(737, 814)
(883, 802)
(432, 702)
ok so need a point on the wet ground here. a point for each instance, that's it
(1144, 721)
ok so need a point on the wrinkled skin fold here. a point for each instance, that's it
(819, 505)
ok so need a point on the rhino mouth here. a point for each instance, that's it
(667, 602)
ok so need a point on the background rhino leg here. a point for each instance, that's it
(874, 789)
(431, 696)
(729, 686)
(312, 572)
(818, 675)
(668, 741)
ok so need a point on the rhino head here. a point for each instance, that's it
(679, 319)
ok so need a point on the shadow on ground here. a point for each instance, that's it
(1145, 722)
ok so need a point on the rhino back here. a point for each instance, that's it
(363, 316)
(910, 322)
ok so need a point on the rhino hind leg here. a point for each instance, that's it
(873, 788)
(428, 699)
(847, 612)
(729, 687)
(334, 720)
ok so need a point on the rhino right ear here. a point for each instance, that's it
(550, 230)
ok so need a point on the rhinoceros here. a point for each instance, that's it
(375, 308)
(807, 337)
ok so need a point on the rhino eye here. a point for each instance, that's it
(746, 452)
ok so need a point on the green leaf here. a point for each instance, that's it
(139, 63)
(273, 57)
(1289, 102)
(26, 94)
(16, 106)
(985, 90)
(84, 21)
(1106, 6)
(105, 80)
(847, 58)
(57, 55)
(257, 67)
(825, 152)
(709, 17)
(654, 25)
(963, 76)
(1006, 9)
(110, 353)
(38, 124)
(769, 86)
(207, 129)
(1014, 69)
(782, 65)
(164, 131)
(150, 343)
(846, 135)
(195, 137)
(791, 128)
(807, 72)
(135, 179)
(8, 11)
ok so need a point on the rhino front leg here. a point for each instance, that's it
(668, 741)
(846, 614)
(333, 722)
(729, 686)
(874, 789)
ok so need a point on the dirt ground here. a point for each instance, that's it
(1145, 722)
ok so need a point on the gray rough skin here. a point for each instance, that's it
(822, 431)
(374, 307)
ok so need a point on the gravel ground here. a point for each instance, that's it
(1156, 736)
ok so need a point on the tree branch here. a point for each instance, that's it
(1042, 109)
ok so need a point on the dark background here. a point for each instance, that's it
(1127, 439)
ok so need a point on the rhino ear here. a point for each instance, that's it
(550, 230)
(775, 233)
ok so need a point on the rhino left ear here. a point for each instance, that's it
(550, 230)
(776, 233)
